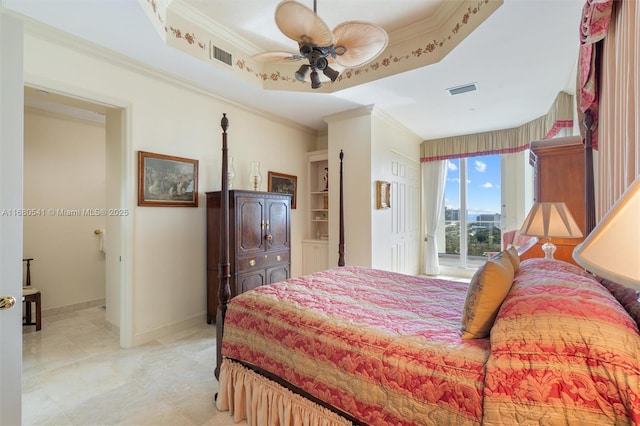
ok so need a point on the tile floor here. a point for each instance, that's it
(74, 373)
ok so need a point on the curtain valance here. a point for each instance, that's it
(516, 139)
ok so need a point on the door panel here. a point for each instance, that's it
(404, 238)
(11, 172)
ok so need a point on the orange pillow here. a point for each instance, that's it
(487, 290)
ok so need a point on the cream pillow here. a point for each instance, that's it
(487, 290)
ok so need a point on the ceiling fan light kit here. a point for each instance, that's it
(350, 45)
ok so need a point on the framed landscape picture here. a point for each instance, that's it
(167, 181)
(284, 184)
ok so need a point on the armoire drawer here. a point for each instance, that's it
(279, 257)
(251, 262)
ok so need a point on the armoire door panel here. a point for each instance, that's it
(278, 224)
(277, 274)
(250, 280)
(250, 225)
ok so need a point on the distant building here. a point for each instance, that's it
(451, 214)
(487, 221)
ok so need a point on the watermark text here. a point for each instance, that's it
(58, 212)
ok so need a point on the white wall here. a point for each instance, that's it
(395, 232)
(64, 175)
(351, 132)
(376, 148)
(164, 256)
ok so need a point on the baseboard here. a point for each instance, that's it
(157, 333)
(74, 307)
(113, 328)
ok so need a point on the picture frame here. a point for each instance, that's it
(383, 195)
(167, 181)
(284, 184)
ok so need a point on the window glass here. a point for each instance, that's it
(472, 210)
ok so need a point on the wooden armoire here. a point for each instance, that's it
(259, 241)
(559, 175)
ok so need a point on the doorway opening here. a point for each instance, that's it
(73, 176)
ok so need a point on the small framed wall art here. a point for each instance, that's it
(284, 184)
(167, 181)
(383, 195)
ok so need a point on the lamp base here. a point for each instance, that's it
(548, 248)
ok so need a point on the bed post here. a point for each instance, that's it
(588, 174)
(341, 207)
(224, 291)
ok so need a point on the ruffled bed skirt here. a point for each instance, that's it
(260, 401)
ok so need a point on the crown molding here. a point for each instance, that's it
(415, 46)
(68, 41)
(352, 113)
(388, 119)
(423, 28)
(215, 29)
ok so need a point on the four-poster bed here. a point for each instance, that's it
(537, 340)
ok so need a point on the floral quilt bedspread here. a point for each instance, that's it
(383, 347)
(563, 351)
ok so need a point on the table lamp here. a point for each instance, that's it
(612, 249)
(550, 220)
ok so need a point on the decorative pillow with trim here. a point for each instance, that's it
(487, 290)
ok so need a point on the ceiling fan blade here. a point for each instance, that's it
(301, 24)
(361, 42)
(278, 57)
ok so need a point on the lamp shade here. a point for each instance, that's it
(550, 220)
(612, 249)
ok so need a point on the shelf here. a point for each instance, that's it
(315, 253)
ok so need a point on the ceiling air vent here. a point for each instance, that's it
(462, 89)
(221, 55)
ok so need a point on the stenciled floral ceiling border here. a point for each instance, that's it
(181, 32)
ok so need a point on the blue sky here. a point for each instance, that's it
(483, 184)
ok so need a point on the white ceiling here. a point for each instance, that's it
(520, 58)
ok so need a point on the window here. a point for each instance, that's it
(472, 211)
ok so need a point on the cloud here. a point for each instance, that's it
(480, 166)
(451, 166)
(487, 185)
(453, 179)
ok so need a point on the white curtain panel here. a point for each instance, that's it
(434, 177)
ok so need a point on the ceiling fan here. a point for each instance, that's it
(350, 45)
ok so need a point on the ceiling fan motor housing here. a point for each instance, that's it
(317, 56)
